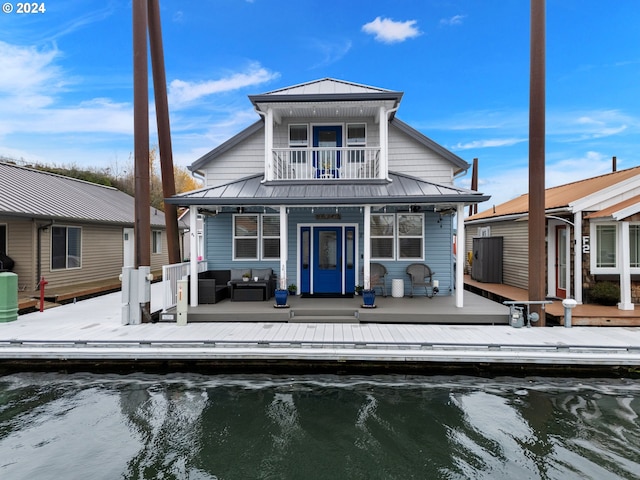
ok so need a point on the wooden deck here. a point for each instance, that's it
(582, 315)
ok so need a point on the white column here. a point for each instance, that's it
(577, 257)
(366, 268)
(460, 242)
(268, 144)
(384, 143)
(193, 257)
(625, 269)
(284, 252)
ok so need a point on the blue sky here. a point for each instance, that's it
(463, 65)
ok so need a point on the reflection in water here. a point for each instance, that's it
(316, 427)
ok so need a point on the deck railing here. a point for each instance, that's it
(170, 276)
(340, 163)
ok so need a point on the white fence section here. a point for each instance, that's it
(326, 163)
(170, 276)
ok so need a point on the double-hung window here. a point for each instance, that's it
(298, 143)
(398, 236)
(634, 245)
(66, 247)
(256, 237)
(356, 137)
(604, 248)
(156, 241)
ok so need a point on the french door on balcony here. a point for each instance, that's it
(327, 162)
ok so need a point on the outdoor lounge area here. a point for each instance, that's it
(256, 284)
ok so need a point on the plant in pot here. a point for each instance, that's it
(369, 295)
(281, 295)
(246, 276)
(358, 289)
(292, 288)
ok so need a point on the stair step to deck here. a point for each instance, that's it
(309, 315)
(324, 319)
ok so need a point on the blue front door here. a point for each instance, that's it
(326, 160)
(327, 260)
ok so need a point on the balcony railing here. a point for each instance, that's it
(338, 163)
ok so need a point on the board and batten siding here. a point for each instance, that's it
(408, 156)
(515, 253)
(21, 248)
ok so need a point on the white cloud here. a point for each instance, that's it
(29, 71)
(455, 20)
(488, 143)
(389, 31)
(182, 93)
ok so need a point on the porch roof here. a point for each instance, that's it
(402, 189)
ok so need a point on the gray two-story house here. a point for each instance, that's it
(326, 182)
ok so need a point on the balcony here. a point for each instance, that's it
(335, 163)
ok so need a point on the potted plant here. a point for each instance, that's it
(292, 288)
(358, 289)
(369, 294)
(246, 276)
(281, 295)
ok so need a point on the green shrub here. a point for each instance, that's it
(605, 293)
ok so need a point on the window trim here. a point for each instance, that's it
(156, 241)
(66, 267)
(593, 260)
(259, 238)
(395, 256)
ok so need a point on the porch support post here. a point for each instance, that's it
(366, 268)
(193, 257)
(268, 144)
(577, 256)
(284, 252)
(384, 143)
(460, 242)
(625, 269)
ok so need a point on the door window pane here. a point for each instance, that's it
(328, 251)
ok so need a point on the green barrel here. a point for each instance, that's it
(8, 297)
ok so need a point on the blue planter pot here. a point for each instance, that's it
(369, 297)
(281, 297)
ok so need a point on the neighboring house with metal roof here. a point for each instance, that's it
(67, 230)
(326, 182)
(592, 235)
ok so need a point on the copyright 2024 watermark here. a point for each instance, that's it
(24, 8)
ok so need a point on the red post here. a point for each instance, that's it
(43, 282)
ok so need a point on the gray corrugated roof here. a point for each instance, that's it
(402, 189)
(25, 192)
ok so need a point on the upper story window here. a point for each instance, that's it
(356, 137)
(298, 138)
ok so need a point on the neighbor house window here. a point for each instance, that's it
(606, 246)
(382, 236)
(245, 237)
(410, 236)
(3, 239)
(66, 247)
(156, 241)
(634, 245)
(270, 237)
(298, 139)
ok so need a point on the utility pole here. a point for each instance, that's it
(537, 221)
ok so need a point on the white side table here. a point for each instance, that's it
(397, 287)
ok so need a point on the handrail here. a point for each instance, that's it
(334, 163)
(170, 276)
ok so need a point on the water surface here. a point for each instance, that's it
(188, 426)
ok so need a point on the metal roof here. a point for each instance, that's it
(25, 192)
(560, 196)
(402, 189)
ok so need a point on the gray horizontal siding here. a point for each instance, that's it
(244, 160)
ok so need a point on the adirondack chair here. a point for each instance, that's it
(421, 275)
(379, 277)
